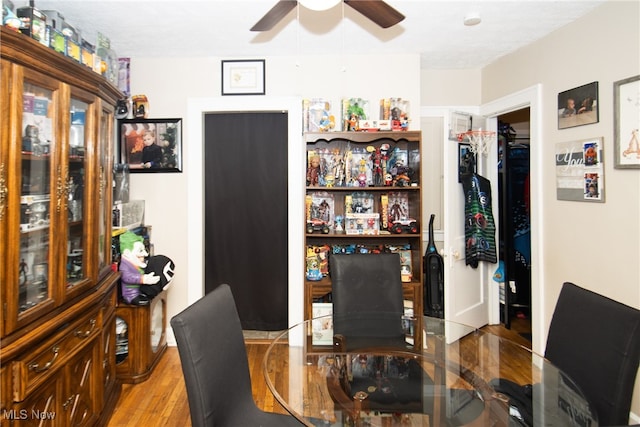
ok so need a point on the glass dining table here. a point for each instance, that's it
(444, 374)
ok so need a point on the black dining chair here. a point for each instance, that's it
(368, 302)
(215, 365)
(596, 342)
(368, 306)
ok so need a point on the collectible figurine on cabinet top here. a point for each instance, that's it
(142, 280)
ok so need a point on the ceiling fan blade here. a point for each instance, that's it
(378, 11)
(274, 16)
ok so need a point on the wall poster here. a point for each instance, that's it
(580, 170)
(626, 101)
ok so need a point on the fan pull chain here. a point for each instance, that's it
(298, 37)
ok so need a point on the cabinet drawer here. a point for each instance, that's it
(32, 369)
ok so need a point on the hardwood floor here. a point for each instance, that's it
(162, 399)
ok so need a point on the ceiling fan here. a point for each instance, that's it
(376, 10)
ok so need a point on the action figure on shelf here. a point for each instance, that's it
(24, 271)
(337, 164)
(376, 166)
(132, 265)
(31, 141)
(313, 171)
(327, 122)
(403, 176)
(351, 124)
(384, 152)
(397, 212)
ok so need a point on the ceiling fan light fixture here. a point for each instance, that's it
(319, 4)
(472, 19)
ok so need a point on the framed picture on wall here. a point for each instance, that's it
(151, 145)
(580, 170)
(626, 103)
(578, 106)
(243, 77)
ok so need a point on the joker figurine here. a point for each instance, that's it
(132, 265)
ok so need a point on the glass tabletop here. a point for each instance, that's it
(441, 374)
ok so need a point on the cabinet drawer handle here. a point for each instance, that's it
(35, 367)
(85, 334)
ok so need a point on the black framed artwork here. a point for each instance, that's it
(243, 77)
(578, 106)
(151, 145)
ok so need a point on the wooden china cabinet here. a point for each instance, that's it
(57, 322)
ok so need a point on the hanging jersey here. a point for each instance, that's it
(479, 228)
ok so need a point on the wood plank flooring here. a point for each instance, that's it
(162, 399)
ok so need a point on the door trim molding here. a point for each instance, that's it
(196, 109)
(530, 97)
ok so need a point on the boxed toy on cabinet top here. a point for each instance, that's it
(50, 28)
(353, 111)
(9, 17)
(396, 110)
(317, 115)
(33, 23)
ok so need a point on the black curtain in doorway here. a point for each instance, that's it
(245, 185)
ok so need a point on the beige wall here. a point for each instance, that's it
(597, 246)
(170, 85)
(450, 87)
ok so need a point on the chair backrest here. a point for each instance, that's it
(214, 358)
(596, 342)
(367, 295)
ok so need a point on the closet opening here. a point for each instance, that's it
(514, 232)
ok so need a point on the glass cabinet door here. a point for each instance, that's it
(34, 272)
(76, 194)
(105, 165)
(5, 84)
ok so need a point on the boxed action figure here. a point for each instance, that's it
(396, 110)
(320, 208)
(58, 42)
(317, 115)
(33, 23)
(73, 49)
(362, 223)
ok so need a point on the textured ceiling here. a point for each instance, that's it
(434, 29)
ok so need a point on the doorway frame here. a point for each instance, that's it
(194, 146)
(530, 97)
